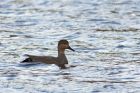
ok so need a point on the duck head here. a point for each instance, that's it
(64, 44)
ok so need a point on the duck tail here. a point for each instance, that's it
(27, 60)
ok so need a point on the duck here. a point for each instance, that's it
(61, 60)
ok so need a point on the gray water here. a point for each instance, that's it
(104, 33)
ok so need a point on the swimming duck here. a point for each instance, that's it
(60, 60)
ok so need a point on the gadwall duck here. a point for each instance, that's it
(60, 60)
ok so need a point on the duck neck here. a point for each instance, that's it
(62, 57)
(61, 52)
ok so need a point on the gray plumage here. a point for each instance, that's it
(60, 60)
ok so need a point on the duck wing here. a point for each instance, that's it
(44, 59)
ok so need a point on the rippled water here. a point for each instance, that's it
(104, 33)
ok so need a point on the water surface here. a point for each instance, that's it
(105, 35)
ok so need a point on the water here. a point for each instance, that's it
(105, 35)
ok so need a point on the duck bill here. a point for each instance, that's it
(70, 48)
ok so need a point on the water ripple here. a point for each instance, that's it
(105, 35)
